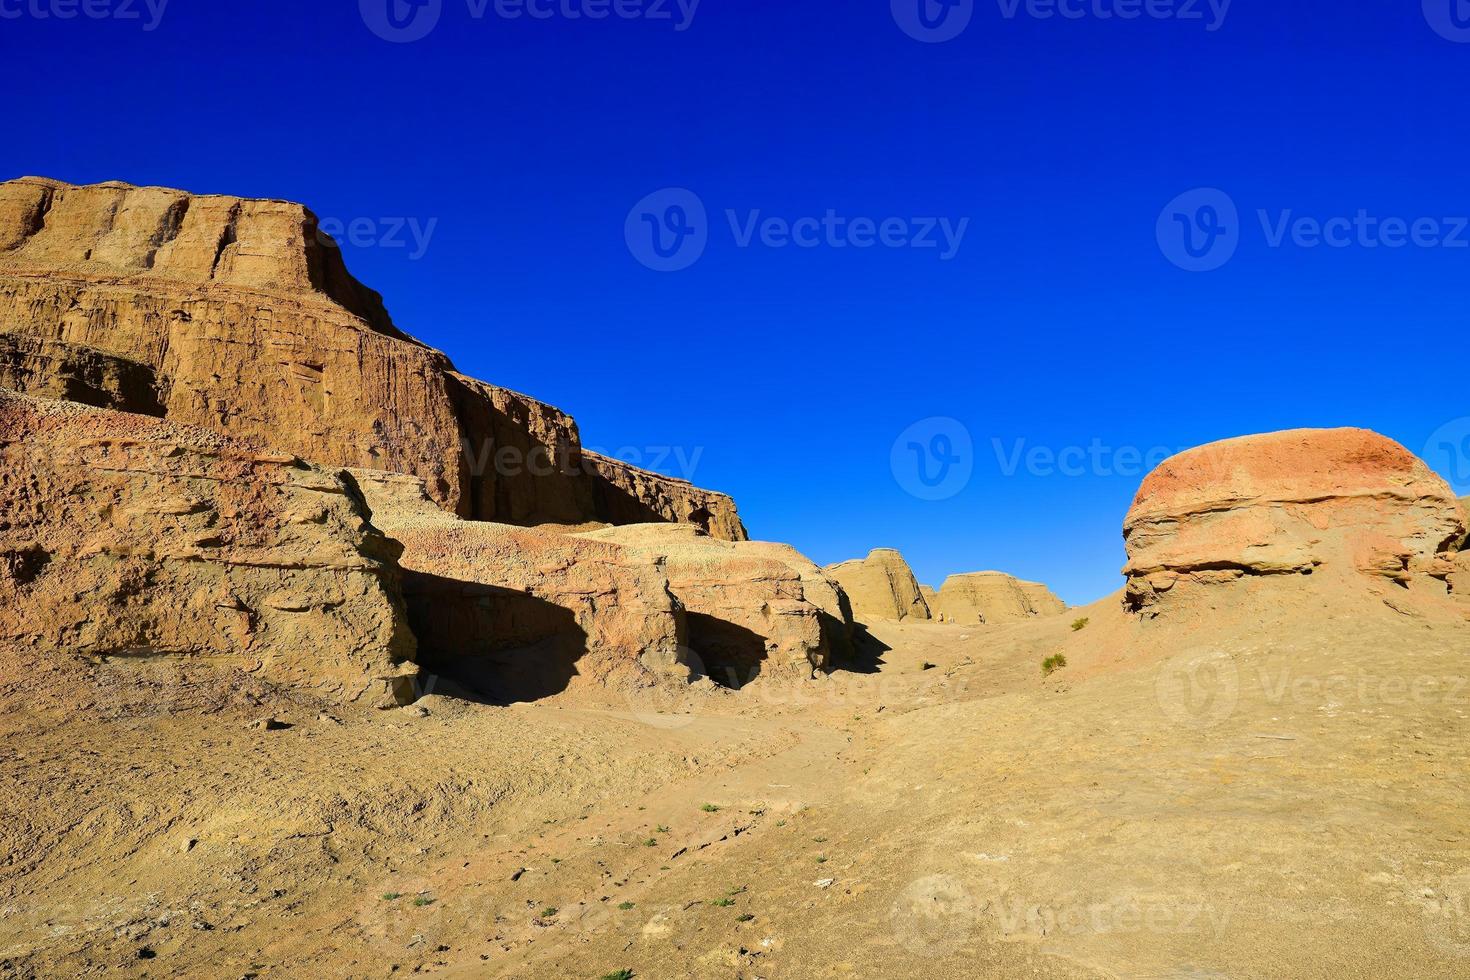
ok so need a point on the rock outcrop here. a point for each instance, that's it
(995, 597)
(52, 369)
(754, 608)
(881, 587)
(1345, 504)
(129, 537)
(518, 614)
(931, 599)
(250, 324)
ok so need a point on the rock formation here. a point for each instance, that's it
(995, 597)
(130, 537)
(931, 599)
(753, 607)
(881, 587)
(1346, 504)
(245, 315)
(517, 613)
(52, 369)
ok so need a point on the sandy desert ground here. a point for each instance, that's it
(1265, 798)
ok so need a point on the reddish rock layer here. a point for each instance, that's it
(1347, 502)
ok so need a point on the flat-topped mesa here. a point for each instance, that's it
(1346, 505)
(995, 597)
(251, 325)
(881, 587)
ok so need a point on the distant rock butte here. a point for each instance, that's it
(130, 537)
(247, 321)
(995, 597)
(881, 587)
(1347, 505)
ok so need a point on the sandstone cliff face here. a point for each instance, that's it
(1346, 504)
(754, 609)
(881, 587)
(519, 614)
(626, 494)
(995, 597)
(251, 325)
(129, 537)
(68, 372)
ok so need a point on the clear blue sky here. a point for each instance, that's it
(1059, 322)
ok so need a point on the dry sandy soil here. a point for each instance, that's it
(1287, 799)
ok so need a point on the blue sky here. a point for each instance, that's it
(1062, 323)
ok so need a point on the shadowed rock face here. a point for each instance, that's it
(1345, 504)
(518, 614)
(754, 607)
(68, 372)
(881, 587)
(131, 537)
(251, 325)
(994, 597)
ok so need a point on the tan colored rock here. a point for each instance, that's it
(129, 537)
(754, 608)
(995, 597)
(51, 369)
(520, 614)
(246, 315)
(931, 599)
(1346, 504)
(881, 587)
(626, 494)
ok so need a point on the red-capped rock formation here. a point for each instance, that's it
(1347, 504)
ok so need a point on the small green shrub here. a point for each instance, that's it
(744, 917)
(549, 911)
(723, 903)
(1078, 624)
(1052, 664)
(651, 842)
(618, 975)
(391, 896)
(423, 900)
(710, 808)
(625, 906)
